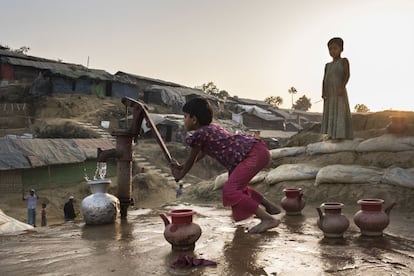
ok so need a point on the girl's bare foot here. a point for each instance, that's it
(265, 225)
(267, 221)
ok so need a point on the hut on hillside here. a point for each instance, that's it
(35, 163)
(45, 76)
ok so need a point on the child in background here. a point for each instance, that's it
(336, 120)
(44, 222)
(243, 156)
(179, 191)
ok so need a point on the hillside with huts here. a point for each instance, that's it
(47, 99)
(54, 115)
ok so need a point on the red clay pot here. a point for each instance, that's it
(371, 220)
(293, 201)
(333, 223)
(181, 233)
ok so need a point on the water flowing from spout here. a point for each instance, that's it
(100, 172)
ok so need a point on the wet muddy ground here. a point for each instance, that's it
(137, 247)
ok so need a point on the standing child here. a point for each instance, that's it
(179, 191)
(337, 120)
(242, 155)
(43, 223)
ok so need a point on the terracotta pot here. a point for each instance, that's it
(397, 125)
(332, 222)
(293, 201)
(181, 233)
(371, 220)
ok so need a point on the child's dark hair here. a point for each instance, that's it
(338, 41)
(201, 109)
(43, 205)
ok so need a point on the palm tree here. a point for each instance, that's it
(292, 91)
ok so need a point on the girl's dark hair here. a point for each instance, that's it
(201, 109)
(338, 41)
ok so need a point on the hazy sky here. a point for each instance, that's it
(252, 49)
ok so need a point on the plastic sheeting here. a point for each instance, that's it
(11, 156)
(9, 225)
(29, 153)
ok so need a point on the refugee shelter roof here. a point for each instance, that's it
(135, 78)
(90, 146)
(74, 71)
(69, 70)
(43, 152)
(11, 156)
(29, 153)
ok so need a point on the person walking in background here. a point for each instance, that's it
(179, 191)
(69, 210)
(336, 120)
(31, 207)
(44, 222)
(242, 155)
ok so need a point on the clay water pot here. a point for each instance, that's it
(397, 125)
(332, 222)
(371, 220)
(293, 201)
(100, 207)
(181, 233)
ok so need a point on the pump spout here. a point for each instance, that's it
(104, 155)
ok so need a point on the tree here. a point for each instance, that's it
(274, 100)
(361, 108)
(22, 50)
(292, 91)
(303, 103)
(211, 89)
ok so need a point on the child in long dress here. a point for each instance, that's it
(44, 220)
(337, 120)
(242, 155)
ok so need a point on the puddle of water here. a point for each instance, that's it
(137, 247)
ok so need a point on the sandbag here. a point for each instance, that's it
(387, 142)
(288, 151)
(399, 176)
(291, 172)
(332, 147)
(222, 179)
(258, 177)
(349, 174)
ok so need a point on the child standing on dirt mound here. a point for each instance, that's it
(242, 155)
(336, 120)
